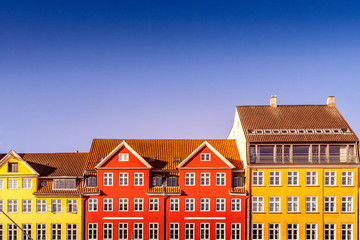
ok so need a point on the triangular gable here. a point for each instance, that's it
(13, 154)
(205, 144)
(113, 152)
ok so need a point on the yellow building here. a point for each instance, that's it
(302, 171)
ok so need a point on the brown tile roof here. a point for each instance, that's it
(294, 117)
(164, 150)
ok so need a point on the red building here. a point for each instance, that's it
(165, 189)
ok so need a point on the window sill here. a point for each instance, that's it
(312, 185)
(258, 185)
(293, 212)
(331, 212)
(347, 186)
(258, 212)
(293, 185)
(275, 185)
(275, 212)
(312, 212)
(347, 212)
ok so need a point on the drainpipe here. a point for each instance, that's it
(83, 222)
(249, 206)
(165, 224)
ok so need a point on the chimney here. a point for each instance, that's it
(273, 102)
(331, 101)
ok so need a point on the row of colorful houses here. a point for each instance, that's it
(284, 172)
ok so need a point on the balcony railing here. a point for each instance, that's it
(303, 158)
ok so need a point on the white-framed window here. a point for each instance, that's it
(26, 206)
(330, 231)
(107, 231)
(311, 178)
(92, 204)
(330, 178)
(153, 231)
(56, 205)
(293, 178)
(138, 204)
(311, 204)
(189, 204)
(189, 231)
(292, 231)
(258, 178)
(204, 231)
(71, 205)
(235, 231)
(274, 231)
(107, 204)
(123, 157)
(220, 204)
(55, 231)
(91, 181)
(174, 231)
(12, 206)
(108, 179)
(41, 231)
(205, 204)
(123, 231)
(274, 204)
(220, 231)
(347, 204)
(347, 178)
(190, 179)
(123, 204)
(205, 157)
(293, 204)
(123, 179)
(41, 206)
(347, 231)
(330, 204)
(235, 204)
(204, 179)
(257, 231)
(26, 183)
(92, 231)
(13, 167)
(64, 184)
(174, 204)
(2, 231)
(138, 179)
(274, 178)
(1, 183)
(138, 231)
(220, 179)
(258, 204)
(12, 232)
(71, 231)
(311, 231)
(12, 183)
(153, 204)
(26, 235)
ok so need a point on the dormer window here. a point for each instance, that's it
(123, 157)
(205, 157)
(64, 184)
(91, 181)
(238, 181)
(13, 167)
(156, 181)
(172, 181)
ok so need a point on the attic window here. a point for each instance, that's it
(337, 131)
(318, 131)
(284, 131)
(250, 131)
(310, 131)
(43, 184)
(100, 159)
(13, 167)
(177, 159)
(64, 184)
(267, 131)
(123, 157)
(327, 131)
(344, 129)
(259, 131)
(292, 131)
(152, 159)
(301, 131)
(205, 157)
(229, 159)
(91, 181)
(276, 131)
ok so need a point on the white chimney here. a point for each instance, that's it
(273, 102)
(331, 101)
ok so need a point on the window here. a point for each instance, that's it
(330, 178)
(347, 231)
(220, 179)
(64, 184)
(235, 204)
(123, 157)
(274, 204)
(12, 183)
(220, 231)
(41, 231)
(189, 231)
(107, 231)
(138, 179)
(238, 181)
(92, 205)
(26, 231)
(71, 232)
(174, 204)
(311, 178)
(108, 179)
(12, 232)
(346, 178)
(292, 231)
(123, 204)
(138, 231)
(156, 181)
(123, 231)
(1, 183)
(26, 206)
(220, 204)
(346, 204)
(71, 205)
(1, 231)
(293, 204)
(329, 231)
(41, 205)
(56, 205)
(274, 231)
(153, 204)
(235, 231)
(258, 178)
(205, 179)
(26, 183)
(189, 179)
(174, 231)
(311, 204)
(138, 204)
(205, 157)
(12, 206)
(330, 204)
(13, 167)
(92, 231)
(153, 231)
(204, 204)
(257, 231)
(258, 204)
(172, 181)
(311, 231)
(204, 231)
(91, 181)
(107, 204)
(274, 178)
(189, 204)
(1, 206)
(292, 178)
(56, 231)
(123, 179)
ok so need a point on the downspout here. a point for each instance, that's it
(83, 222)
(357, 191)
(165, 224)
(249, 205)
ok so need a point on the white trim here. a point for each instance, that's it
(13, 154)
(204, 218)
(123, 218)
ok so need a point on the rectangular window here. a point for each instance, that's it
(257, 231)
(12, 206)
(138, 231)
(220, 231)
(138, 204)
(12, 232)
(274, 204)
(92, 231)
(153, 204)
(330, 204)
(311, 178)
(293, 178)
(2, 205)
(346, 204)
(235, 231)
(13, 167)
(220, 204)
(26, 206)
(153, 231)
(41, 205)
(258, 204)
(12, 183)
(220, 179)
(189, 231)
(274, 178)
(330, 231)
(311, 231)
(56, 205)
(174, 231)
(138, 179)
(274, 231)
(1, 232)
(205, 204)
(258, 178)
(292, 231)
(293, 204)
(123, 179)
(91, 181)
(189, 204)
(92, 205)
(347, 231)
(26, 183)
(174, 204)
(26, 234)
(347, 178)
(205, 179)
(55, 231)
(123, 231)
(189, 179)
(71, 205)
(123, 204)
(330, 178)
(1, 183)
(71, 231)
(107, 204)
(311, 204)
(205, 157)
(123, 157)
(107, 231)
(64, 184)
(41, 231)
(235, 204)
(204, 231)
(108, 179)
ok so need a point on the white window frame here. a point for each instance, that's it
(1, 183)
(274, 231)
(330, 178)
(123, 231)
(12, 183)
(138, 204)
(2, 205)
(347, 231)
(220, 231)
(293, 178)
(220, 179)
(138, 231)
(258, 178)
(257, 232)
(274, 178)
(311, 232)
(274, 204)
(347, 204)
(123, 179)
(92, 233)
(204, 204)
(347, 178)
(205, 157)
(258, 204)
(205, 179)
(292, 204)
(235, 204)
(190, 179)
(12, 205)
(123, 157)
(71, 231)
(153, 231)
(72, 205)
(153, 204)
(330, 203)
(57, 229)
(41, 231)
(235, 231)
(189, 204)
(189, 231)
(174, 205)
(174, 231)
(138, 179)
(311, 178)
(123, 204)
(41, 206)
(27, 228)
(56, 205)
(311, 204)
(108, 179)
(204, 231)
(220, 204)
(108, 232)
(329, 231)
(293, 230)
(108, 205)
(27, 183)
(27, 206)
(93, 205)
(12, 232)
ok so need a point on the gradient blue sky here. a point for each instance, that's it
(71, 71)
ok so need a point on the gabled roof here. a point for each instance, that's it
(13, 154)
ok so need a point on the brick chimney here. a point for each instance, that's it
(273, 102)
(331, 101)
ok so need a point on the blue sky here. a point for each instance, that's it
(71, 71)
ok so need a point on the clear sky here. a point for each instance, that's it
(71, 71)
